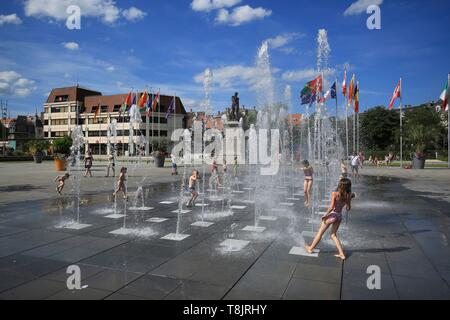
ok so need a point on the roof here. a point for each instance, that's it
(75, 93)
(118, 99)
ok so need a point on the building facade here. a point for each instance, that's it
(67, 108)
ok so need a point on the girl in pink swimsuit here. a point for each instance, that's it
(339, 199)
(309, 178)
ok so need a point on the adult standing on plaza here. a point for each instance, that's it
(356, 163)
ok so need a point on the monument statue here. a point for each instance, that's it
(235, 107)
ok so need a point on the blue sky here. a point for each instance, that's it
(168, 44)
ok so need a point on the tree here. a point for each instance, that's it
(379, 129)
(422, 130)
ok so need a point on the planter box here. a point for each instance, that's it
(159, 162)
(418, 163)
(38, 157)
(60, 165)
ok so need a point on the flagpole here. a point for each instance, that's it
(337, 114)
(346, 129)
(147, 125)
(401, 124)
(159, 120)
(153, 124)
(448, 122)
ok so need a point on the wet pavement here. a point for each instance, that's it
(393, 226)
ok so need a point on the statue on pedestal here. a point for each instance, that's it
(235, 107)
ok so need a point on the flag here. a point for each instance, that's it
(171, 109)
(309, 92)
(334, 90)
(344, 84)
(97, 112)
(351, 90)
(356, 95)
(151, 104)
(126, 104)
(444, 98)
(134, 99)
(397, 94)
(143, 100)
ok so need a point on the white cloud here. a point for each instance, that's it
(241, 15)
(210, 5)
(106, 10)
(283, 40)
(10, 19)
(71, 46)
(304, 74)
(133, 14)
(12, 83)
(361, 6)
(110, 69)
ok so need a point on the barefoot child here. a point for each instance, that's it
(121, 183)
(88, 159)
(309, 174)
(339, 199)
(192, 187)
(235, 167)
(174, 165)
(61, 182)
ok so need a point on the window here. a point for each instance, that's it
(59, 122)
(59, 134)
(45, 122)
(104, 109)
(117, 108)
(94, 109)
(61, 98)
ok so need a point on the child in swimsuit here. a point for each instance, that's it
(121, 183)
(88, 164)
(192, 183)
(339, 199)
(61, 182)
(309, 177)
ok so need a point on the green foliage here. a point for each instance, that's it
(36, 146)
(422, 130)
(379, 128)
(61, 147)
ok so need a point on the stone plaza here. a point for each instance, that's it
(399, 223)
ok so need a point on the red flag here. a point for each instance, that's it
(143, 100)
(357, 98)
(97, 112)
(155, 102)
(351, 91)
(397, 94)
(344, 84)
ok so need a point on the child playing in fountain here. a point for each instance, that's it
(88, 159)
(121, 183)
(215, 172)
(224, 166)
(174, 165)
(339, 199)
(235, 166)
(61, 182)
(309, 174)
(111, 165)
(192, 188)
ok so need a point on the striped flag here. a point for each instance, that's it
(351, 91)
(143, 100)
(171, 109)
(444, 98)
(344, 84)
(356, 95)
(397, 94)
